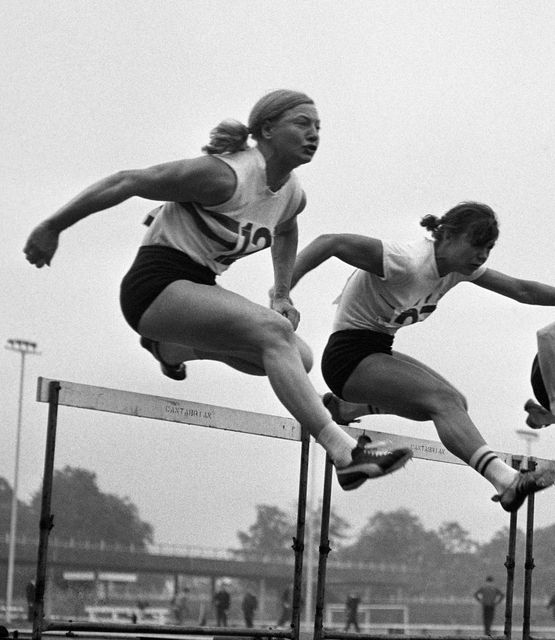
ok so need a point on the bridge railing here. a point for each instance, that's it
(195, 551)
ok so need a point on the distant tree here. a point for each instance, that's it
(544, 553)
(339, 528)
(27, 523)
(271, 532)
(274, 529)
(82, 512)
(396, 537)
(495, 551)
(455, 539)
(493, 555)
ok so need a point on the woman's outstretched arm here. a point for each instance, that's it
(204, 179)
(361, 252)
(524, 291)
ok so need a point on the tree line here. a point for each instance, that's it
(445, 561)
(82, 512)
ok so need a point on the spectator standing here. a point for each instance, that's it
(489, 596)
(181, 606)
(249, 606)
(351, 612)
(30, 596)
(222, 602)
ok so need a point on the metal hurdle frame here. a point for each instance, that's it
(58, 392)
(434, 451)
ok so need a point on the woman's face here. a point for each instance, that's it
(461, 255)
(295, 134)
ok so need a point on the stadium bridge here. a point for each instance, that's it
(172, 560)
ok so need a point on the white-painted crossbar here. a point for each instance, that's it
(84, 396)
(141, 405)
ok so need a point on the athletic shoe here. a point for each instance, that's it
(332, 404)
(538, 416)
(525, 483)
(173, 371)
(370, 461)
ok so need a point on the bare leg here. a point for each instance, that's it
(176, 353)
(345, 412)
(405, 388)
(216, 321)
(538, 417)
(209, 320)
(402, 386)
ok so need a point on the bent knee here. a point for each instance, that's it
(444, 400)
(276, 331)
(275, 328)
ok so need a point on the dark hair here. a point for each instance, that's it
(473, 218)
(231, 135)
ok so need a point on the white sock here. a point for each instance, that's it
(488, 464)
(337, 443)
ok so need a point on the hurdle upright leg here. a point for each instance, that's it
(46, 518)
(324, 550)
(510, 564)
(298, 542)
(529, 561)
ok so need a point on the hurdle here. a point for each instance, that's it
(62, 393)
(434, 451)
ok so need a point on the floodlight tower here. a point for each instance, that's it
(24, 348)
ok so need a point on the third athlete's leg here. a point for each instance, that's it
(542, 415)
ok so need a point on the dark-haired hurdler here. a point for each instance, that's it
(226, 204)
(542, 413)
(395, 285)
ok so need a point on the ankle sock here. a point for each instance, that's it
(488, 464)
(337, 443)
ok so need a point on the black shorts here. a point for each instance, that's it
(344, 351)
(538, 385)
(154, 268)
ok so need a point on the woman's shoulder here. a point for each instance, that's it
(401, 258)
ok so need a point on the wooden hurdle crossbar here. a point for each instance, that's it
(433, 451)
(61, 393)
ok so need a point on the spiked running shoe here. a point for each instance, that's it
(370, 461)
(173, 371)
(525, 483)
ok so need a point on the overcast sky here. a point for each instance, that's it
(423, 104)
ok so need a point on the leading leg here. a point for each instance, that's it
(406, 388)
(210, 319)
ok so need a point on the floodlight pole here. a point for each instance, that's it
(23, 347)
